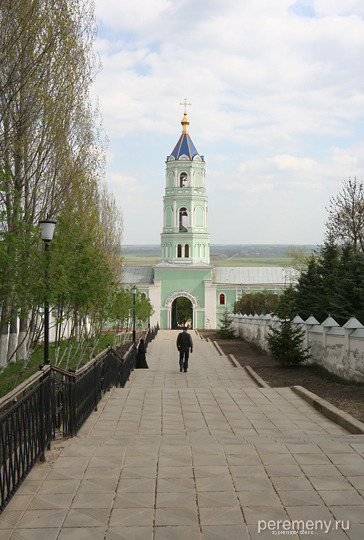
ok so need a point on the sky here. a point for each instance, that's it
(277, 108)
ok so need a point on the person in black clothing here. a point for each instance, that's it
(184, 344)
(141, 362)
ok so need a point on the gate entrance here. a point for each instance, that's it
(182, 312)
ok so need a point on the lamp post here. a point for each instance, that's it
(46, 230)
(134, 293)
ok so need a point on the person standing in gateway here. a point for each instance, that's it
(184, 344)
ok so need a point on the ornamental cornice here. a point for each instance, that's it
(186, 294)
(184, 236)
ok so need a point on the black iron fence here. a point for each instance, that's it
(51, 403)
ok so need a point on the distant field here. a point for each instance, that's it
(132, 260)
(254, 261)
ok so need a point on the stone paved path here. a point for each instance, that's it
(199, 456)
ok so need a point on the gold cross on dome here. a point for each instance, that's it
(185, 105)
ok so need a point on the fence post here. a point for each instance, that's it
(72, 407)
(44, 417)
(95, 386)
(49, 409)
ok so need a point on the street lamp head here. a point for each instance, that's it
(134, 290)
(47, 229)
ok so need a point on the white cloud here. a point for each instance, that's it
(135, 15)
(277, 98)
(286, 161)
(125, 184)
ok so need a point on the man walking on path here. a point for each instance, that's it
(184, 344)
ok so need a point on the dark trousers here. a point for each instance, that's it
(184, 353)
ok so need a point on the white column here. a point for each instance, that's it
(155, 298)
(210, 303)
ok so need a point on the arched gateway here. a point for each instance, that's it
(171, 304)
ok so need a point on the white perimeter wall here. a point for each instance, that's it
(338, 349)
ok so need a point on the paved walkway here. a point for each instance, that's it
(199, 456)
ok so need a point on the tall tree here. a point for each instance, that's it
(308, 290)
(328, 264)
(346, 215)
(50, 143)
(348, 300)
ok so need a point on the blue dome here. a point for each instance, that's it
(184, 146)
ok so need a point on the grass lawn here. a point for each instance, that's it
(14, 374)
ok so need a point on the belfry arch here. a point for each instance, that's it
(170, 303)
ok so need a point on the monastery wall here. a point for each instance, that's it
(339, 349)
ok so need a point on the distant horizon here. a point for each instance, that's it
(235, 244)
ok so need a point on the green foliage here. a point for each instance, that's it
(184, 310)
(143, 308)
(285, 344)
(79, 273)
(333, 284)
(308, 290)
(52, 147)
(287, 304)
(348, 299)
(121, 307)
(260, 303)
(20, 259)
(226, 330)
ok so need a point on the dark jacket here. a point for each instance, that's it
(184, 340)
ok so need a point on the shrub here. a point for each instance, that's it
(285, 344)
(226, 330)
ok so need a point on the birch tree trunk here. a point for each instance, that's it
(13, 336)
(22, 338)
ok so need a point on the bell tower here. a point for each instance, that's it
(185, 240)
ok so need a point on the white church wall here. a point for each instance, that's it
(338, 349)
(210, 305)
(155, 299)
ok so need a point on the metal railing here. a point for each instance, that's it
(54, 403)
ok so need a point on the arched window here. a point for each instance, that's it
(187, 251)
(179, 251)
(143, 295)
(183, 219)
(199, 216)
(183, 180)
(222, 299)
(168, 216)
